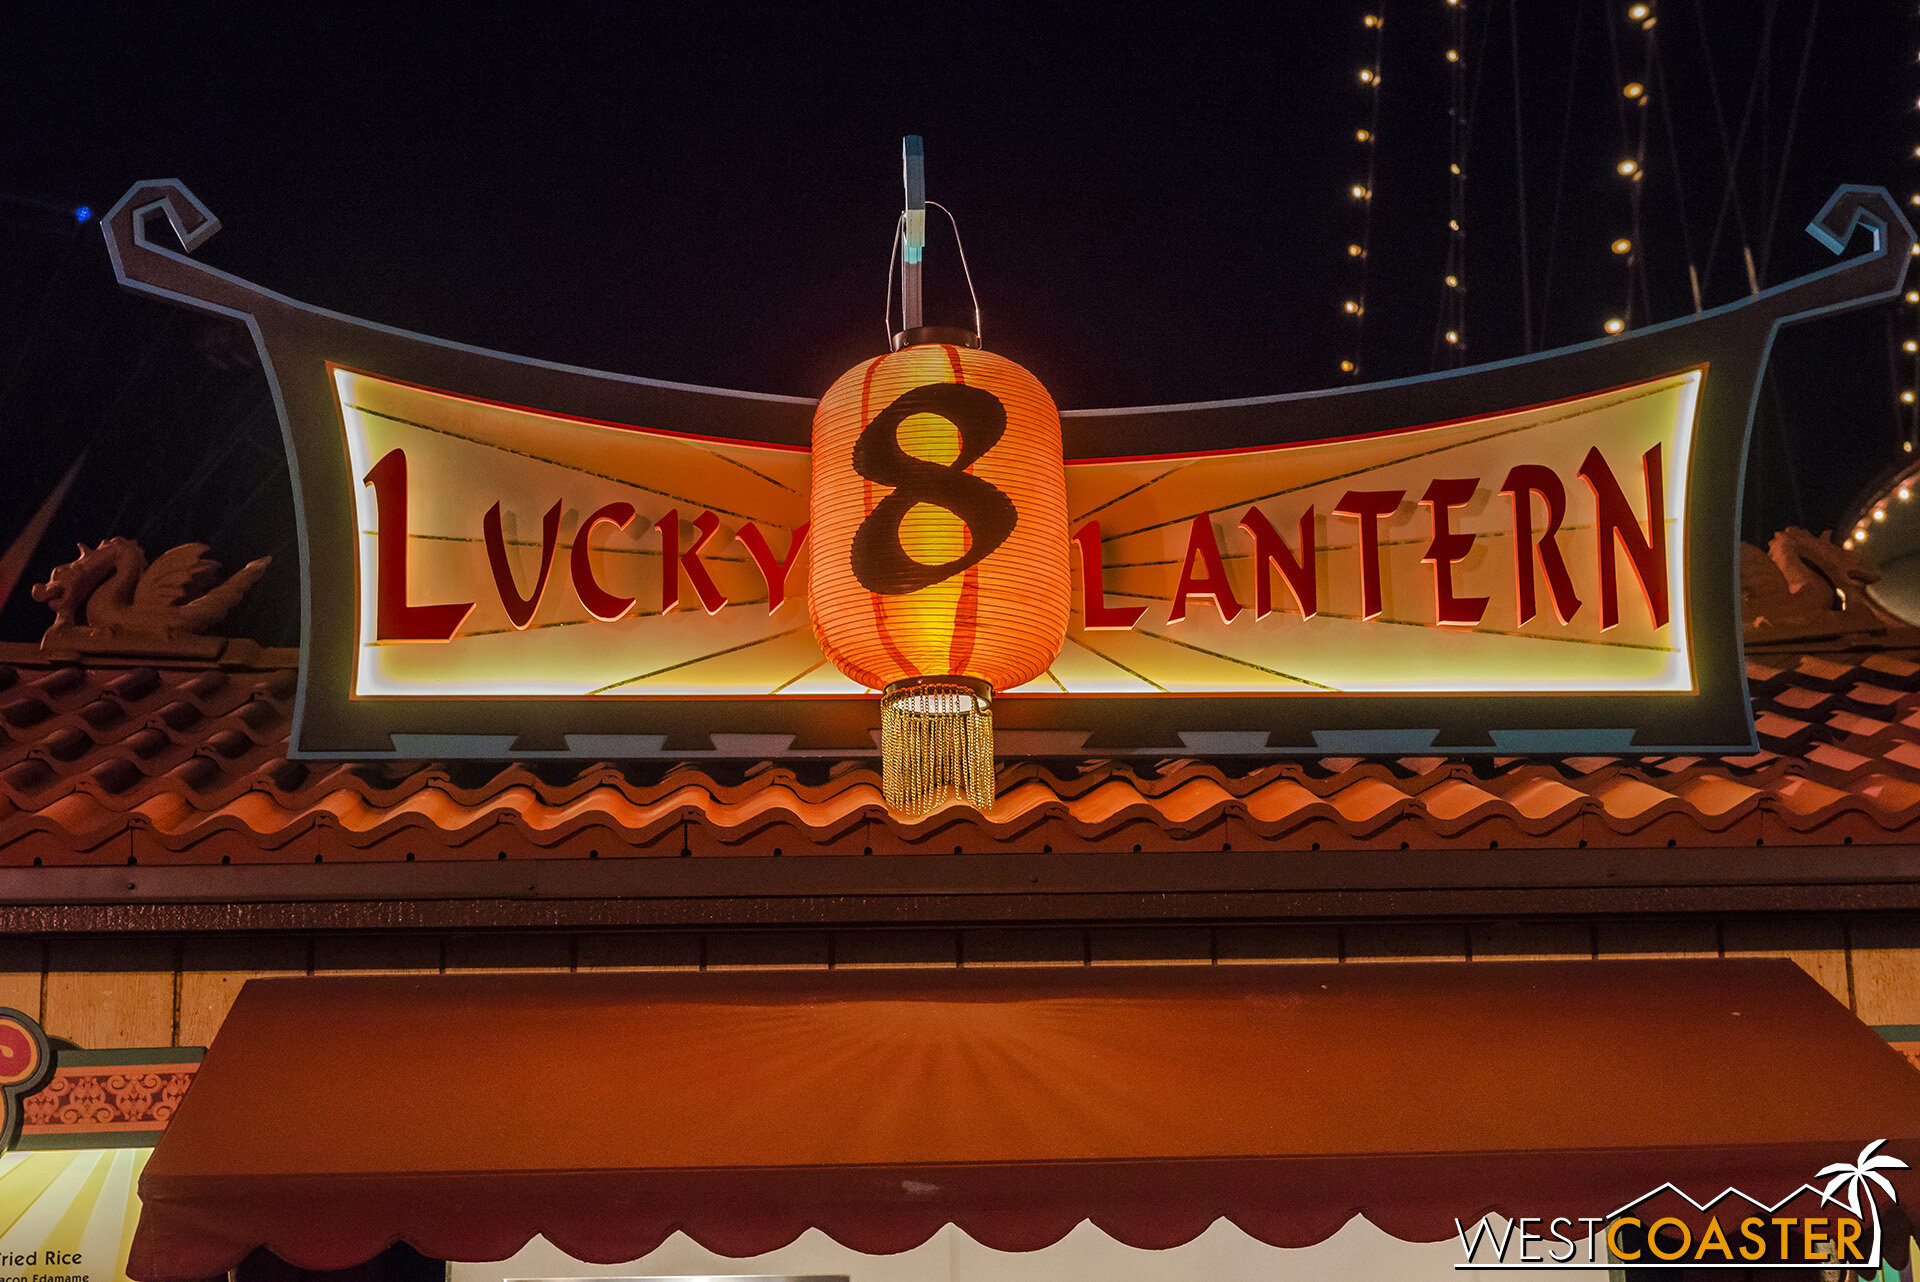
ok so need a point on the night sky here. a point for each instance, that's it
(1154, 203)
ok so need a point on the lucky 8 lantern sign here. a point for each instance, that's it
(939, 570)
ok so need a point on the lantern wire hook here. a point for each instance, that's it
(966, 270)
(899, 226)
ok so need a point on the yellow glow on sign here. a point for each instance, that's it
(1145, 508)
(1173, 538)
(464, 455)
(69, 1212)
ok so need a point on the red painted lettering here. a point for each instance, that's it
(1095, 614)
(1213, 583)
(395, 619)
(1523, 482)
(600, 603)
(520, 609)
(674, 562)
(1448, 548)
(1367, 507)
(1270, 551)
(1646, 549)
(773, 571)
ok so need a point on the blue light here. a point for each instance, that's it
(83, 213)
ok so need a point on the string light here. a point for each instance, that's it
(1634, 118)
(1450, 351)
(1907, 410)
(1362, 192)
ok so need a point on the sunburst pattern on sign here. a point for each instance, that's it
(79, 1204)
(1146, 508)
(727, 637)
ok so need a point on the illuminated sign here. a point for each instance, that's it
(507, 552)
(505, 557)
(69, 1177)
(68, 1214)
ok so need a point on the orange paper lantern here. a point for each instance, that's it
(939, 552)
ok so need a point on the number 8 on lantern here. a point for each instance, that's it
(939, 545)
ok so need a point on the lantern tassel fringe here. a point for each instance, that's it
(936, 741)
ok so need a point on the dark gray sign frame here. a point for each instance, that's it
(298, 343)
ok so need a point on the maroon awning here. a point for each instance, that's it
(465, 1114)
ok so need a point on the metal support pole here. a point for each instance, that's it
(913, 244)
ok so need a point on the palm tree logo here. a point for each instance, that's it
(1862, 1175)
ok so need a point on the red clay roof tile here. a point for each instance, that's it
(191, 759)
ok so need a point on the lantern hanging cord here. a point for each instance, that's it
(893, 255)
